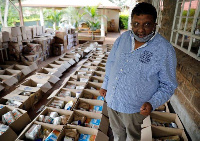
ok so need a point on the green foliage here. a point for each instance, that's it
(75, 16)
(94, 21)
(123, 21)
(190, 20)
(191, 13)
(54, 16)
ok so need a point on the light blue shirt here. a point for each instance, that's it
(133, 77)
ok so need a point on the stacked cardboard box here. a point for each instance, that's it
(70, 41)
(75, 38)
(15, 45)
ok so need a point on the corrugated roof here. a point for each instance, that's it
(67, 3)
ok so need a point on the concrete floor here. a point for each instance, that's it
(109, 39)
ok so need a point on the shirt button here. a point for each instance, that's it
(126, 60)
(121, 69)
(116, 78)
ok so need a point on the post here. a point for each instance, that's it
(102, 23)
(41, 17)
(21, 14)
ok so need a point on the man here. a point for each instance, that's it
(140, 74)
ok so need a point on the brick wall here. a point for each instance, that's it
(186, 100)
(188, 93)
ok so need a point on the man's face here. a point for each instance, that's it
(143, 25)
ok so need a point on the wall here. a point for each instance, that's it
(113, 14)
(186, 100)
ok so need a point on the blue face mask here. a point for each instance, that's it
(144, 39)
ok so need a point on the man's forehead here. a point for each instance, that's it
(146, 17)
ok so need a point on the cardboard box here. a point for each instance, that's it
(89, 63)
(32, 58)
(102, 65)
(70, 60)
(104, 124)
(42, 41)
(1, 87)
(152, 132)
(60, 68)
(66, 63)
(66, 100)
(59, 111)
(50, 71)
(94, 61)
(33, 66)
(43, 125)
(4, 36)
(16, 73)
(9, 135)
(35, 87)
(73, 54)
(96, 79)
(24, 69)
(72, 91)
(8, 80)
(15, 47)
(93, 93)
(5, 45)
(102, 69)
(29, 33)
(80, 73)
(96, 58)
(75, 57)
(76, 84)
(83, 130)
(16, 96)
(61, 37)
(162, 108)
(38, 82)
(58, 49)
(13, 31)
(99, 73)
(44, 78)
(93, 86)
(88, 68)
(77, 78)
(165, 117)
(93, 102)
(19, 124)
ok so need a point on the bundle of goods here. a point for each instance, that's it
(91, 96)
(60, 104)
(158, 122)
(11, 116)
(37, 133)
(82, 120)
(87, 107)
(54, 118)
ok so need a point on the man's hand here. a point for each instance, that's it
(146, 109)
(102, 92)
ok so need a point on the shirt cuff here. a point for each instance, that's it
(154, 106)
(104, 85)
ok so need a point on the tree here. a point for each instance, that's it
(94, 21)
(54, 16)
(74, 16)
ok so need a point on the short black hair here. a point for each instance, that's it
(144, 8)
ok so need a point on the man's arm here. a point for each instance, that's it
(109, 64)
(167, 81)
